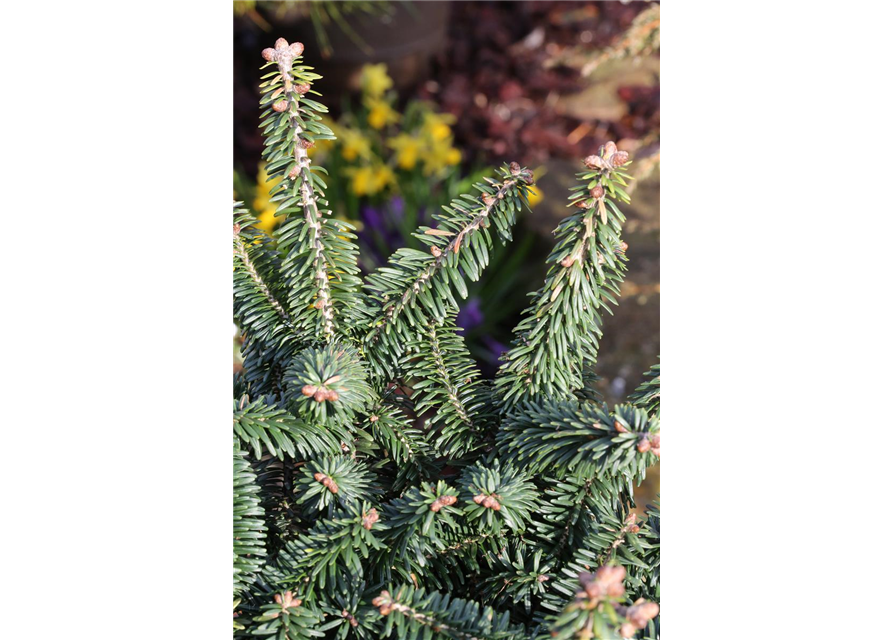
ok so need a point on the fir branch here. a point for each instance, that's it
(259, 313)
(582, 437)
(327, 382)
(332, 549)
(408, 291)
(647, 394)
(559, 332)
(258, 423)
(249, 530)
(334, 480)
(444, 378)
(320, 265)
(393, 430)
(420, 615)
(494, 495)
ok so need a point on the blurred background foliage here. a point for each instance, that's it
(424, 97)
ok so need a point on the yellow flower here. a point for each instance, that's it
(361, 180)
(534, 196)
(440, 156)
(380, 113)
(437, 125)
(266, 210)
(369, 180)
(375, 80)
(407, 150)
(354, 144)
(384, 176)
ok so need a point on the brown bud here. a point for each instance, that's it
(287, 600)
(280, 106)
(373, 418)
(435, 251)
(655, 440)
(594, 162)
(634, 528)
(640, 614)
(281, 44)
(627, 630)
(326, 481)
(597, 191)
(491, 503)
(321, 395)
(319, 304)
(237, 228)
(609, 149)
(268, 54)
(369, 519)
(542, 578)
(293, 172)
(623, 247)
(308, 390)
(619, 428)
(583, 204)
(643, 446)
(333, 395)
(488, 199)
(611, 574)
(619, 159)
(383, 602)
(296, 48)
(630, 517)
(593, 589)
(568, 261)
(442, 501)
(302, 88)
(304, 143)
(479, 498)
(527, 176)
(514, 168)
(615, 590)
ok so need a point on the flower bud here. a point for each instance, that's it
(435, 251)
(304, 143)
(321, 395)
(281, 44)
(619, 159)
(293, 173)
(640, 614)
(627, 630)
(568, 261)
(643, 446)
(609, 149)
(302, 88)
(515, 168)
(369, 519)
(296, 48)
(610, 574)
(280, 106)
(597, 191)
(594, 162)
(619, 428)
(308, 390)
(373, 419)
(268, 54)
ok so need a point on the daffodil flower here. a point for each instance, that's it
(375, 80)
(406, 148)
(380, 113)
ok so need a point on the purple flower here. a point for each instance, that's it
(470, 315)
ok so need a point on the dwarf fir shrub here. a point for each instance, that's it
(381, 487)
